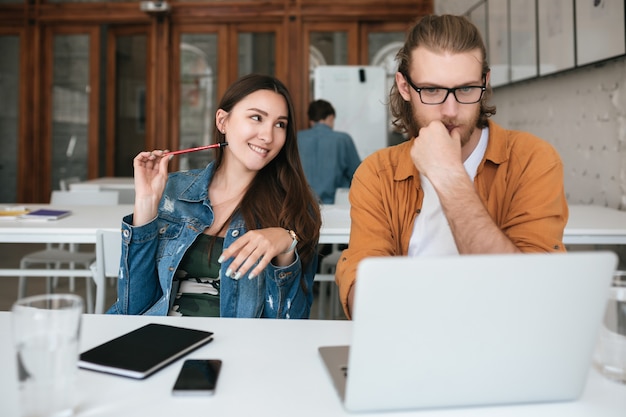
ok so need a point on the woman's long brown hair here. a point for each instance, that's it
(279, 194)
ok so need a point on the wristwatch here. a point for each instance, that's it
(294, 236)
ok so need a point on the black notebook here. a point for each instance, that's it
(143, 351)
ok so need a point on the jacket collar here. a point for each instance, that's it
(194, 185)
(498, 142)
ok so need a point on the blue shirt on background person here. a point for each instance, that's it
(329, 158)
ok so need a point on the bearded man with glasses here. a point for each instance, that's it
(462, 184)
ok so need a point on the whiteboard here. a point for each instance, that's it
(358, 94)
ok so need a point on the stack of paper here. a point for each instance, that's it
(12, 212)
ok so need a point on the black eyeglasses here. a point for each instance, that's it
(468, 94)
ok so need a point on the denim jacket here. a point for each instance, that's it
(145, 286)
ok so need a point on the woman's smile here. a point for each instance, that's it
(258, 149)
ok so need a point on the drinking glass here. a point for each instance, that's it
(610, 356)
(46, 332)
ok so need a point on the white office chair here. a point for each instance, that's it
(56, 255)
(107, 265)
(328, 265)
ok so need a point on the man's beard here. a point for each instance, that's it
(466, 127)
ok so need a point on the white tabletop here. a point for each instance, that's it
(79, 227)
(270, 368)
(587, 225)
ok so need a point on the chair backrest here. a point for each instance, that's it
(341, 197)
(108, 254)
(85, 198)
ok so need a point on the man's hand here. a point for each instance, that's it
(436, 151)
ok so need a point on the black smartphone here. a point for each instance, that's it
(197, 377)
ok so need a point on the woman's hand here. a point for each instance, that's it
(150, 178)
(261, 245)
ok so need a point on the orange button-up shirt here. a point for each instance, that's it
(520, 182)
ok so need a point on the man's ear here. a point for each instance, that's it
(403, 87)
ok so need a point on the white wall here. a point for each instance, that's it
(583, 114)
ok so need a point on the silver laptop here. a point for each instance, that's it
(471, 330)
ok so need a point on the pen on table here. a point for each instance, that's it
(199, 148)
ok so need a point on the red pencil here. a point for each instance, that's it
(199, 148)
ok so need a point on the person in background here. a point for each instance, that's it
(329, 158)
(235, 239)
(462, 184)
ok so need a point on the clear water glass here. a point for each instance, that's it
(610, 355)
(46, 331)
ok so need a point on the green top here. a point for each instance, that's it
(199, 276)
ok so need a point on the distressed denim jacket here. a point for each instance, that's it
(151, 254)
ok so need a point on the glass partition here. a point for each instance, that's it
(70, 107)
(382, 50)
(257, 53)
(326, 48)
(198, 85)
(9, 116)
(130, 106)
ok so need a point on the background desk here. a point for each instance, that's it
(270, 368)
(588, 225)
(82, 224)
(79, 227)
(595, 225)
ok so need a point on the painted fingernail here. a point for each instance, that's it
(220, 259)
(229, 272)
(237, 275)
(251, 275)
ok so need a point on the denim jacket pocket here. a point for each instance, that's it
(169, 234)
